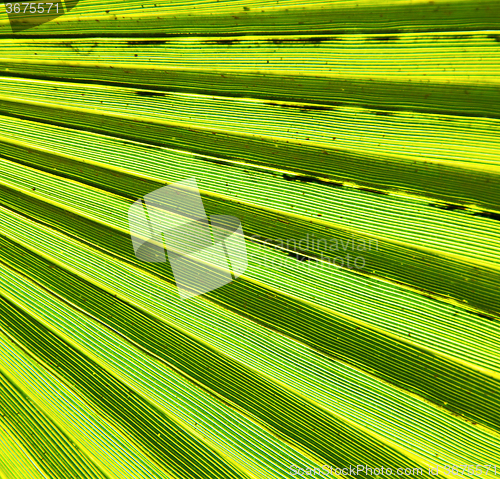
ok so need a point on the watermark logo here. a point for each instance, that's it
(204, 253)
(25, 15)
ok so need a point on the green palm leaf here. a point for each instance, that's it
(357, 142)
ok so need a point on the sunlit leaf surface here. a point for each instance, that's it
(358, 144)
